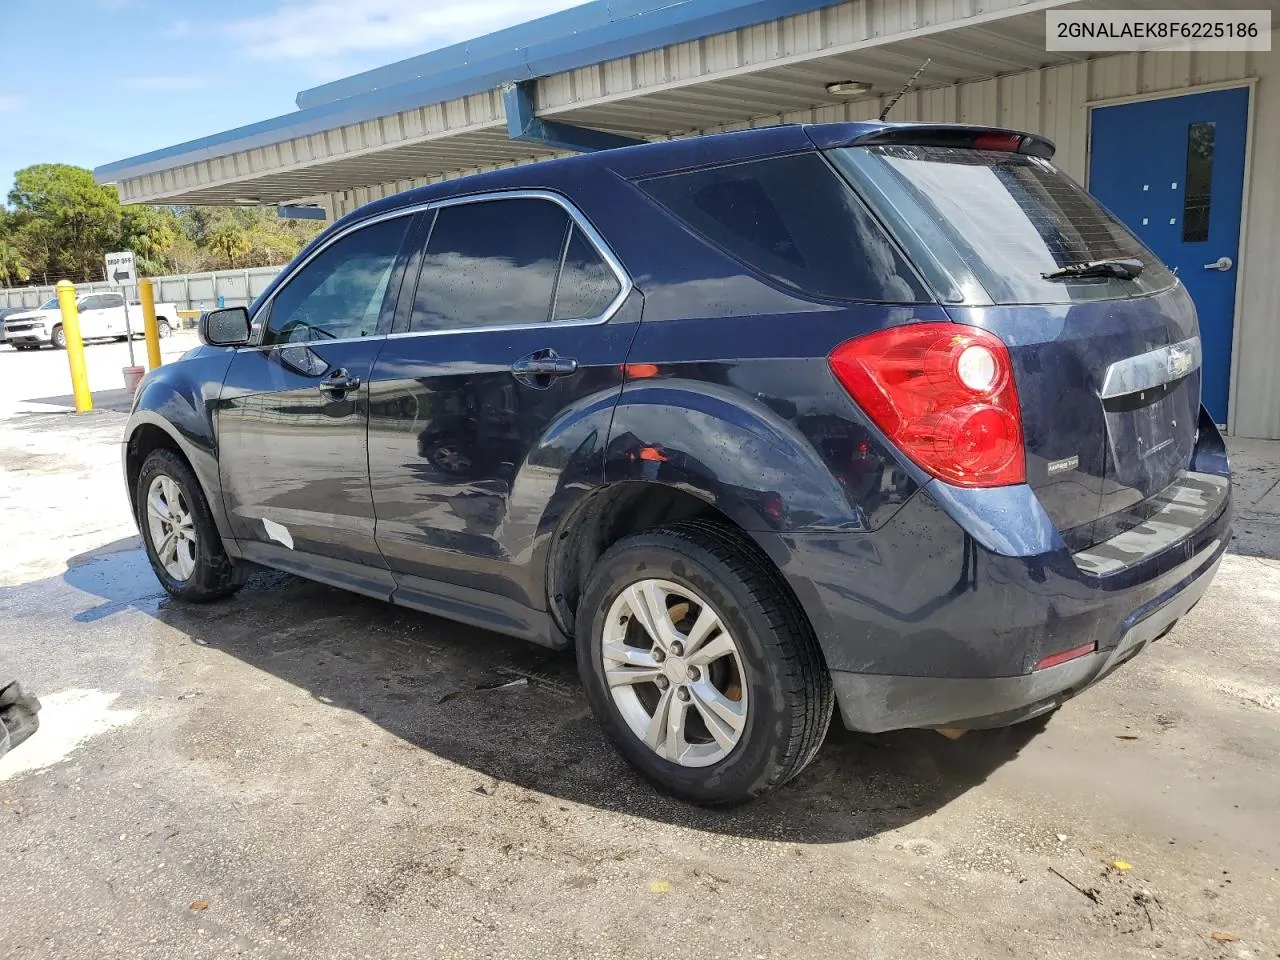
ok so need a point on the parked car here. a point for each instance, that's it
(102, 316)
(889, 417)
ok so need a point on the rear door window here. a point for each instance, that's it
(984, 226)
(794, 220)
(491, 263)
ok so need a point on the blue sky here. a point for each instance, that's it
(91, 81)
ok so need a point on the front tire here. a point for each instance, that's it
(58, 338)
(163, 330)
(700, 665)
(181, 539)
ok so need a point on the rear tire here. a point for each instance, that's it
(181, 539)
(58, 338)
(773, 689)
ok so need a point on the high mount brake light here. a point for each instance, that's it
(997, 141)
(944, 394)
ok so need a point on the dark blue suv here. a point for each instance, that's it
(892, 417)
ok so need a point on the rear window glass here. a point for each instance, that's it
(984, 225)
(794, 220)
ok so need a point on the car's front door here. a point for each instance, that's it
(293, 412)
(512, 330)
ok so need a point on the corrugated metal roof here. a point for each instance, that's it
(747, 75)
(605, 29)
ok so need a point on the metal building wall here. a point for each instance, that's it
(1055, 101)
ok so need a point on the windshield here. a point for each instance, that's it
(49, 305)
(984, 226)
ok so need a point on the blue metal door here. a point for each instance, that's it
(1173, 171)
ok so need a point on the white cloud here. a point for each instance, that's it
(10, 103)
(299, 30)
(164, 82)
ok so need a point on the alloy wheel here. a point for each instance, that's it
(675, 673)
(172, 527)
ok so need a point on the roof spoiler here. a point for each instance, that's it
(963, 136)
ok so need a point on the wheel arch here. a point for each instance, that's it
(617, 510)
(148, 432)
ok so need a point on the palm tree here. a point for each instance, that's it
(230, 240)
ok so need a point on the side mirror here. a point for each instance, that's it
(225, 328)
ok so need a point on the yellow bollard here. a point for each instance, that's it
(147, 294)
(75, 346)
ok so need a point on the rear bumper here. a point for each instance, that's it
(940, 617)
(875, 703)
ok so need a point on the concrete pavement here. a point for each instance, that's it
(300, 772)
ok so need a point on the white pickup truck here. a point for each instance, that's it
(101, 317)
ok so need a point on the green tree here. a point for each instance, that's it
(62, 222)
(80, 218)
(13, 260)
(229, 240)
(13, 265)
(152, 233)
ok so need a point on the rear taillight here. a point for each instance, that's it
(944, 394)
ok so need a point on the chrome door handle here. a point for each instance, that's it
(1222, 263)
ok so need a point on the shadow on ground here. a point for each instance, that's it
(117, 401)
(432, 682)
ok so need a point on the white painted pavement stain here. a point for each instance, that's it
(67, 720)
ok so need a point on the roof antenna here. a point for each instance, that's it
(905, 87)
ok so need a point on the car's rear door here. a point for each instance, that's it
(293, 413)
(111, 315)
(512, 332)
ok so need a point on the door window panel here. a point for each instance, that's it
(1199, 182)
(587, 284)
(490, 263)
(110, 300)
(341, 294)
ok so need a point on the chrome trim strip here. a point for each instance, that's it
(1149, 370)
(625, 283)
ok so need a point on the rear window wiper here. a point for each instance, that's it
(1122, 268)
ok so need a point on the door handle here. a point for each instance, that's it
(1222, 263)
(539, 369)
(545, 367)
(339, 382)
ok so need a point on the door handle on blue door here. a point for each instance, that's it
(339, 382)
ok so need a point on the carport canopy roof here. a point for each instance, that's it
(646, 69)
